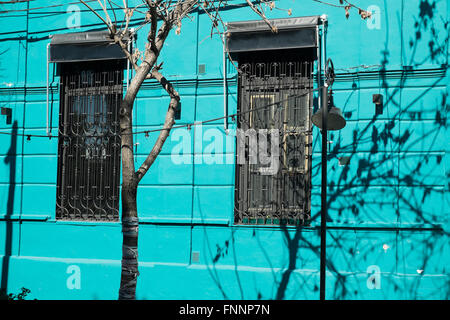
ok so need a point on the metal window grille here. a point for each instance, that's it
(89, 142)
(277, 96)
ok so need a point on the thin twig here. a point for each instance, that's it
(99, 16)
(262, 15)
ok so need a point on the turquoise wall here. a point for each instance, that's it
(388, 209)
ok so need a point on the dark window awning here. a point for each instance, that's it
(256, 35)
(84, 46)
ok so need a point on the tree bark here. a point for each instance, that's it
(130, 229)
(130, 221)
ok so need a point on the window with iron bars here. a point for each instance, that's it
(275, 104)
(89, 141)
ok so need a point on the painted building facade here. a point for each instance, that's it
(387, 173)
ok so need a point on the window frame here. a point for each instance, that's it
(277, 215)
(91, 105)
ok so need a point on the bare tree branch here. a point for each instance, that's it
(262, 15)
(168, 123)
(347, 6)
(114, 12)
(105, 11)
(99, 16)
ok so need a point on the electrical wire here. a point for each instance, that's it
(118, 7)
(187, 125)
(39, 8)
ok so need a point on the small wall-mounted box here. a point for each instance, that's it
(378, 100)
(195, 256)
(202, 68)
(8, 113)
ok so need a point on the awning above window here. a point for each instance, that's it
(84, 46)
(256, 35)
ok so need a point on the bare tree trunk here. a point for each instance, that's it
(131, 178)
(128, 280)
(130, 221)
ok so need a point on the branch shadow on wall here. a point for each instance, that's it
(386, 207)
(402, 158)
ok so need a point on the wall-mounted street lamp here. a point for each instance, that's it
(328, 117)
(335, 120)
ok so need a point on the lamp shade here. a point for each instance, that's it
(335, 120)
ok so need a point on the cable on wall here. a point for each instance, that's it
(188, 125)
